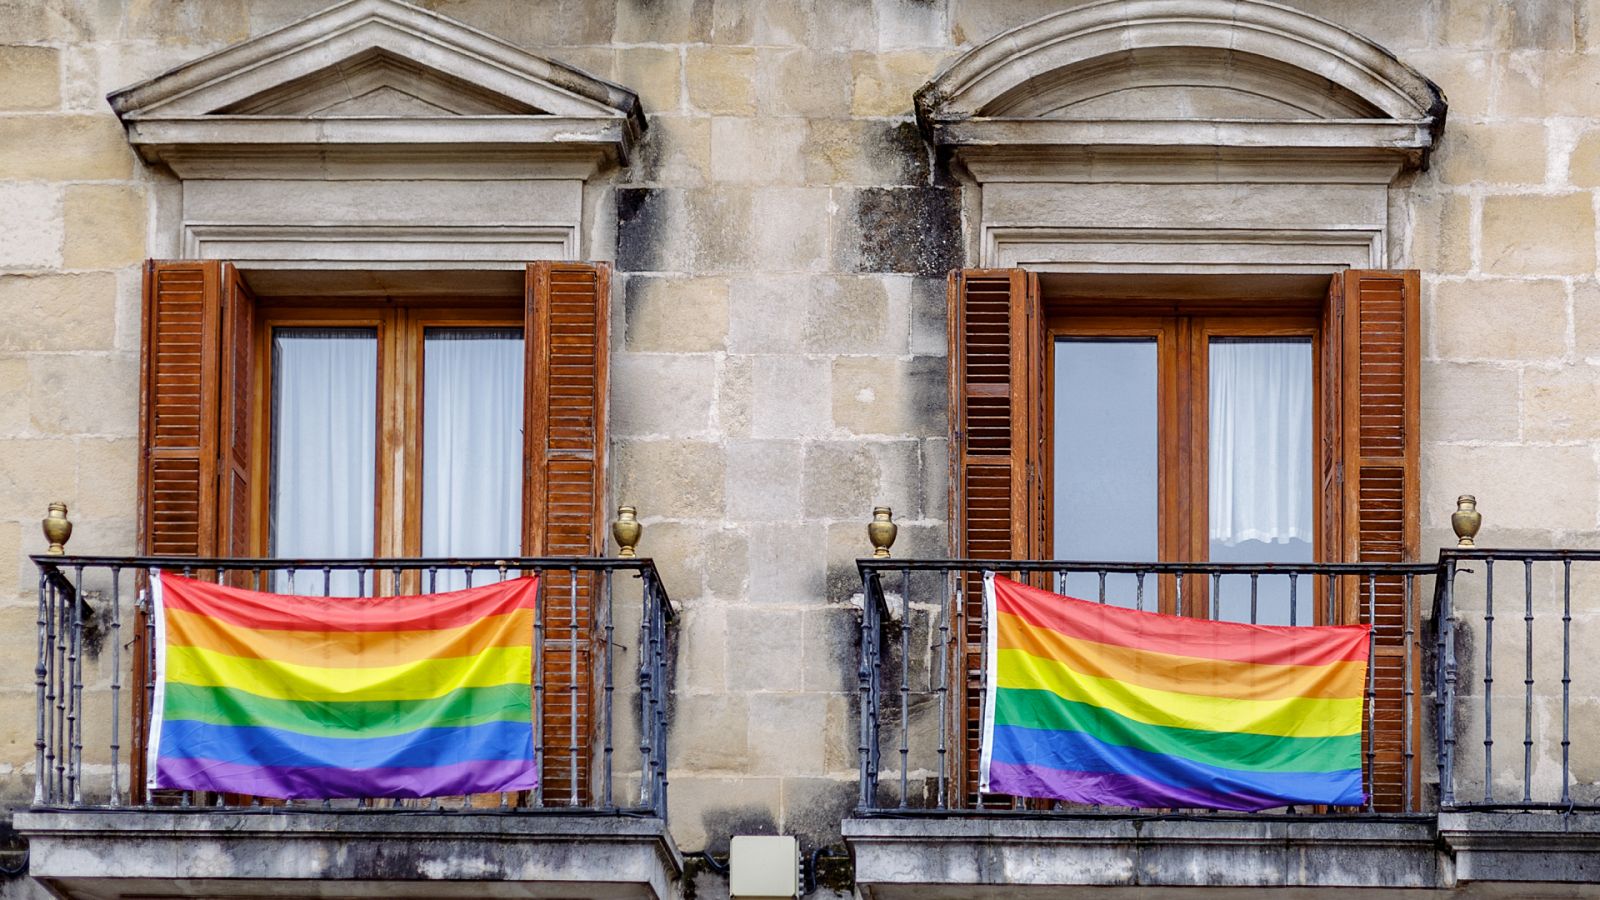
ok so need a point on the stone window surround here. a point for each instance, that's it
(1054, 191)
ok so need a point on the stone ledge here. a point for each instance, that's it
(106, 853)
(1521, 847)
(908, 857)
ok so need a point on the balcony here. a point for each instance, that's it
(1479, 745)
(595, 826)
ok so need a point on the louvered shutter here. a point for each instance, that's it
(179, 407)
(1380, 352)
(194, 398)
(997, 507)
(568, 312)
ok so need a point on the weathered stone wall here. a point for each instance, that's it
(781, 243)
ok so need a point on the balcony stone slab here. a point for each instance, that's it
(105, 854)
(1523, 847)
(1085, 855)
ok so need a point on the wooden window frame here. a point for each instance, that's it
(401, 328)
(1183, 378)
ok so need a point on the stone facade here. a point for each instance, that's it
(781, 239)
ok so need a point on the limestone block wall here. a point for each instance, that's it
(781, 242)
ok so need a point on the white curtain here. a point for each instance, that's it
(1261, 441)
(324, 453)
(471, 445)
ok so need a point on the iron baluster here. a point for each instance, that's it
(41, 672)
(1372, 685)
(572, 681)
(1406, 724)
(1488, 681)
(1527, 703)
(1566, 681)
(610, 692)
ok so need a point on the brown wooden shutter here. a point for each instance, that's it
(568, 311)
(997, 505)
(237, 374)
(179, 407)
(194, 420)
(1379, 348)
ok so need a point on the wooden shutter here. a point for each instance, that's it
(1379, 349)
(997, 496)
(236, 373)
(178, 407)
(568, 311)
(194, 419)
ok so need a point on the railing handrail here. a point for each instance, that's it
(870, 564)
(375, 562)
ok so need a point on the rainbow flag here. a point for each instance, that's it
(275, 695)
(1091, 703)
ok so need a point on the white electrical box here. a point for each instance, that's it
(764, 866)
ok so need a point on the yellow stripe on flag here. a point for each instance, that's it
(1182, 674)
(290, 681)
(1293, 717)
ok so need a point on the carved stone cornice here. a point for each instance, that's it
(376, 75)
(1184, 73)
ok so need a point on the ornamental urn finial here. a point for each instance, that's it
(627, 531)
(881, 531)
(1466, 520)
(57, 529)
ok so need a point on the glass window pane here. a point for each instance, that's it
(471, 444)
(1107, 499)
(1262, 473)
(324, 449)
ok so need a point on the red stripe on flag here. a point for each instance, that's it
(292, 612)
(1180, 635)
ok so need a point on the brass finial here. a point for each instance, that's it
(57, 529)
(881, 531)
(627, 530)
(1466, 520)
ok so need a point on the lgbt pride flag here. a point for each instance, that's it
(275, 695)
(1092, 703)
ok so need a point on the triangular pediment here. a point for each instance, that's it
(373, 72)
(378, 83)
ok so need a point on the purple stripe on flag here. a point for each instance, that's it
(1113, 789)
(298, 783)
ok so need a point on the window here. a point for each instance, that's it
(1189, 431)
(1183, 438)
(444, 383)
(384, 428)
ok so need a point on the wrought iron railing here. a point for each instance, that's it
(921, 671)
(1502, 615)
(95, 675)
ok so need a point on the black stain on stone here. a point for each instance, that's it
(723, 822)
(816, 807)
(639, 218)
(915, 230)
(904, 141)
(929, 377)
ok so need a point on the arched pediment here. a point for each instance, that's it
(1216, 73)
(376, 73)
